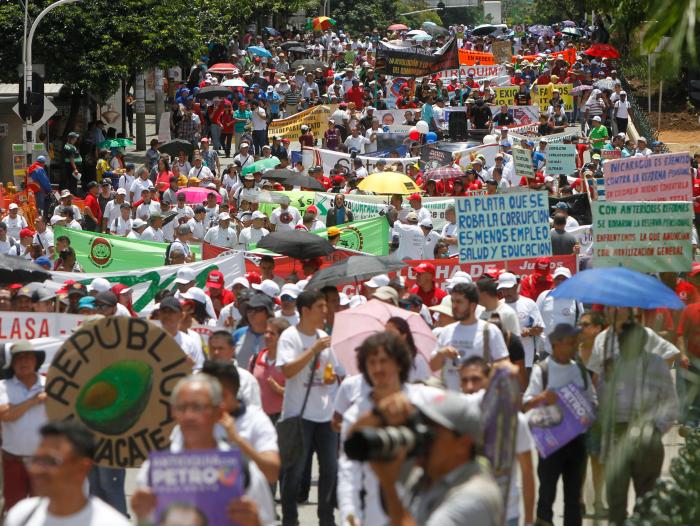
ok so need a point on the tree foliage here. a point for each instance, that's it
(362, 16)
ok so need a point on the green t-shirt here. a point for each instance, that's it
(598, 136)
(239, 127)
(70, 149)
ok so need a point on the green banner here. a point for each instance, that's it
(370, 236)
(299, 199)
(97, 252)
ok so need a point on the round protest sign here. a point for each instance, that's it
(115, 376)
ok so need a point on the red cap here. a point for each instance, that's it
(425, 267)
(338, 179)
(15, 286)
(493, 274)
(26, 232)
(253, 277)
(542, 265)
(414, 197)
(215, 279)
(694, 269)
(242, 103)
(312, 209)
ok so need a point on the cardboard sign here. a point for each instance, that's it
(29, 325)
(469, 58)
(561, 159)
(315, 118)
(522, 157)
(663, 177)
(203, 482)
(505, 95)
(115, 376)
(502, 51)
(503, 227)
(643, 236)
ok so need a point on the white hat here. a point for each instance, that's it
(244, 145)
(427, 222)
(290, 289)
(137, 223)
(99, 285)
(224, 216)
(13, 206)
(258, 215)
(242, 280)
(198, 295)
(344, 299)
(302, 283)
(561, 271)
(357, 300)
(445, 306)
(458, 277)
(185, 275)
(55, 219)
(65, 193)
(121, 191)
(268, 287)
(597, 118)
(507, 281)
(382, 280)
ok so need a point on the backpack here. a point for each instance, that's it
(544, 367)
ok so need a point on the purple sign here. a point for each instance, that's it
(554, 426)
(195, 485)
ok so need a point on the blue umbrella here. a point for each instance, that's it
(259, 51)
(618, 287)
(272, 31)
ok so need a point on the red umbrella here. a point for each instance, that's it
(444, 172)
(223, 68)
(602, 51)
(397, 27)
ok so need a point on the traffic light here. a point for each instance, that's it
(35, 98)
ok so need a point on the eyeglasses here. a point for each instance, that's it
(584, 324)
(48, 461)
(194, 407)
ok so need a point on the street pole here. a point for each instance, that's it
(160, 97)
(140, 110)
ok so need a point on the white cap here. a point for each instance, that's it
(99, 285)
(561, 271)
(258, 215)
(344, 299)
(268, 287)
(244, 145)
(597, 118)
(427, 222)
(13, 206)
(242, 280)
(224, 216)
(357, 300)
(507, 281)
(65, 193)
(121, 191)
(137, 223)
(55, 219)
(458, 277)
(290, 289)
(302, 283)
(382, 280)
(185, 275)
(198, 295)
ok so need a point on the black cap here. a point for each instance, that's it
(261, 300)
(563, 330)
(77, 288)
(107, 298)
(171, 303)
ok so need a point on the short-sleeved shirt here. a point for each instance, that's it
(598, 136)
(71, 150)
(239, 127)
(21, 437)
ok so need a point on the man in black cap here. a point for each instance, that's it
(106, 303)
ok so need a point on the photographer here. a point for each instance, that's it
(447, 485)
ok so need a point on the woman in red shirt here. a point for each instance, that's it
(269, 377)
(458, 188)
(164, 173)
(227, 125)
(473, 182)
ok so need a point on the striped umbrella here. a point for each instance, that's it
(444, 172)
(321, 23)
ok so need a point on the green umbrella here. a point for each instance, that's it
(116, 143)
(262, 164)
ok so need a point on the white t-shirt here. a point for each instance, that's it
(203, 172)
(14, 225)
(250, 235)
(138, 186)
(559, 375)
(293, 319)
(622, 109)
(509, 318)
(319, 407)
(556, 311)
(429, 244)
(221, 237)
(151, 234)
(528, 316)
(95, 513)
(191, 349)
(111, 212)
(469, 341)
(450, 230)
(44, 239)
(356, 143)
(284, 219)
(259, 119)
(119, 226)
(411, 241)
(372, 145)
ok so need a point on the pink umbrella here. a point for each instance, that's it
(197, 194)
(444, 172)
(351, 327)
(223, 68)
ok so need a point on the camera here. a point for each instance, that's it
(384, 443)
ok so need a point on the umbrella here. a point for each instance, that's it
(541, 31)
(483, 29)
(618, 287)
(296, 244)
(351, 327)
(259, 51)
(321, 23)
(234, 83)
(568, 23)
(307, 63)
(290, 43)
(167, 218)
(434, 29)
(298, 50)
(279, 174)
(174, 147)
(397, 27)
(223, 68)
(304, 181)
(388, 183)
(260, 165)
(416, 32)
(272, 31)
(14, 269)
(444, 172)
(116, 143)
(421, 38)
(354, 268)
(573, 31)
(602, 51)
(198, 194)
(580, 89)
(606, 83)
(211, 92)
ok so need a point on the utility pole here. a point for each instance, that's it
(140, 110)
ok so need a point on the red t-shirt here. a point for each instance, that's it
(431, 298)
(94, 206)
(535, 284)
(696, 193)
(226, 297)
(689, 327)
(356, 95)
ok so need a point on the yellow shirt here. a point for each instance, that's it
(102, 167)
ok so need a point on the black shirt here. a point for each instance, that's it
(503, 119)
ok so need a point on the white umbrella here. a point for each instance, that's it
(416, 32)
(234, 83)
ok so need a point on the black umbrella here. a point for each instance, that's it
(279, 173)
(174, 147)
(353, 269)
(167, 218)
(296, 244)
(211, 92)
(303, 181)
(307, 63)
(298, 50)
(483, 29)
(14, 269)
(290, 43)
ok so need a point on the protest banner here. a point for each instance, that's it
(362, 206)
(544, 94)
(584, 237)
(470, 58)
(664, 177)
(97, 252)
(415, 61)
(115, 375)
(29, 325)
(522, 158)
(561, 159)
(554, 426)
(394, 85)
(477, 72)
(643, 236)
(145, 283)
(503, 227)
(610, 154)
(299, 199)
(394, 117)
(505, 95)
(522, 115)
(434, 157)
(203, 481)
(315, 118)
(329, 160)
(502, 51)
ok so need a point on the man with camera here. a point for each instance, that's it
(447, 485)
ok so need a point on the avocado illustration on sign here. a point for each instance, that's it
(113, 400)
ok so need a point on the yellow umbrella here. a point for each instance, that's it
(388, 183)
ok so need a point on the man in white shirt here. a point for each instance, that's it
(255, 232)
(44, 236)
(416, 202)
(137, 227)
(411, 238)
(355, 141)
(149, 205)
(468, 336)
(449, 231)
(305, 357)
(259, 127)
(66, 200)
(372, 134)
(154, 231)
(488, 298)
(284, 217)
(141, 183)
(222, 235)
(170, 315)
(197, 223)
(559, 310)
(113, 209)
(58, 470)
(14, 221)
(182, 209)
(244, 157)
(122, 224)
(431, 238)
(200, 171)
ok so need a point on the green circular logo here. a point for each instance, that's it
(101, 252)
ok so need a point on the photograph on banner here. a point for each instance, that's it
(394, 85)
(29, 325)
(643, 236)
(464, 157)
(521, 114)
(522, 157)
(433, 157)
(206, 480)
(543, 95)
(329, 159)
(502, 51)
(471, 58)
(394, 119)
(503, 227)
(415, 61)
(561, 159)
(362, 206)
(122, 396)
(315, 118)
(664, 177)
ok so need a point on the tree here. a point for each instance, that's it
(362, 16)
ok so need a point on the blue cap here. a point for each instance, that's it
(255, 86)
(87, 302)
(506, 144)
(43, 261)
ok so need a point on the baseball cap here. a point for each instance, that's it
(458, 413)
(542, 265)
(414, 197)
(121, 191)
(561, 271)
(380, 280)
(597, 118)
(563, 330)
(412, 217)
(88, 302)
(424, 267)
(13, 206)
(99, 285)
(241, 281)
(215, 279)
(427, 223)
(291, 290)
(458, 277)
(25, 232)
(259, 300)
(312, 209)
(268, 287)
(244, 145)
(333, 231)
(185, 275)
(507, 281)
(107, 298)
(258, 215)
(137, 223)
(170, 303)
(387, 293)
(224, 216)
